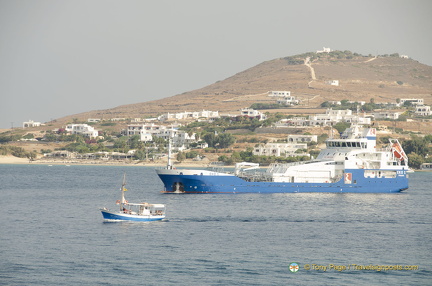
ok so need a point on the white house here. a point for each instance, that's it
(82, 129)
(279, 93)
(31, 123)
(288, 100)
(280, 149)
(253, 113)
(145, 131)
(180, 140)
(334, 82)
(302, 138)
(414, 101)
(137, 129)
(359, 102)
(334, 116)
(324, 50)
(289, 122)
(423, 110)
(189, 115)
(386, 115)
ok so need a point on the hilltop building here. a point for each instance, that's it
(334, 82)
(324, 50)
(31, 123)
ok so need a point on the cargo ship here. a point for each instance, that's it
(351, 163)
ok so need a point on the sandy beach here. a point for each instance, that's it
(13, 160)
(9, 159)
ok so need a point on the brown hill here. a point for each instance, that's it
(360, 78)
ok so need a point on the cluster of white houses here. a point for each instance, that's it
(420, 108)
(148, 130)
(331, 117)
(290, 149)
(180, 140)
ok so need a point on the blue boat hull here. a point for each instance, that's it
(107, 215)
(232, 184)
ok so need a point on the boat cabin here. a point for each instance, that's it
(143, 209)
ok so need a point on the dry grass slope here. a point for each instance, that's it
(361, 78)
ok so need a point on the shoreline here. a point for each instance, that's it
(12, 160)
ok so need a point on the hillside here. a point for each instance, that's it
(361, 78)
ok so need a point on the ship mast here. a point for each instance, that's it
(123, 189)
(169, 166)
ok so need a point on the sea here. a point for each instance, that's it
(52, 233)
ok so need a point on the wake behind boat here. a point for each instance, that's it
(349, 164)
(133, 211)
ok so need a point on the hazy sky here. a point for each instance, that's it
(59, 58)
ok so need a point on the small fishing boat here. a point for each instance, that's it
(133, 211)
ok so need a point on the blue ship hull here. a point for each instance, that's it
(125, 217)
(232, 184)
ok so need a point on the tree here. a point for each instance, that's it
(210, 139)
(180, 156)
(341, 126)
(225, 140)
(415, 160)
(326, 104)
(416, 145)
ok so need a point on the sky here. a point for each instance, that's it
(60, 58)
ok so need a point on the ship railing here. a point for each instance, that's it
(255, 176)
(279, 168)
(382, 149)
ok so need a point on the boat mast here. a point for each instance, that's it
(123, 201)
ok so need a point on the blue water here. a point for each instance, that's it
(52, 233)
